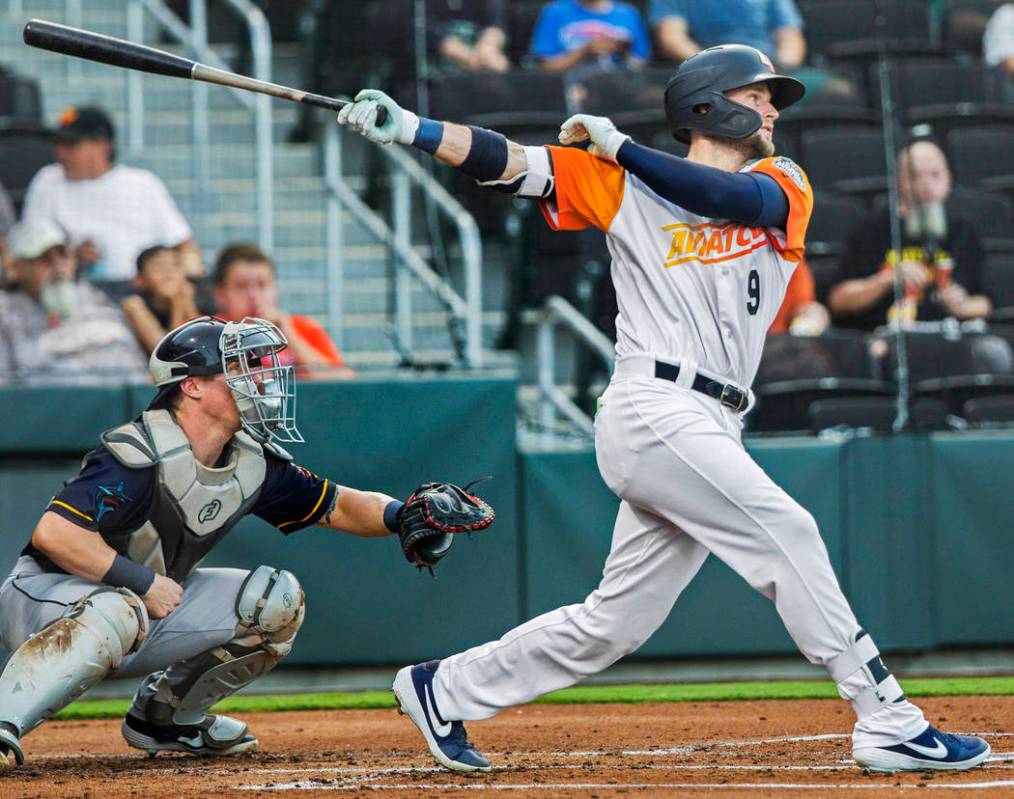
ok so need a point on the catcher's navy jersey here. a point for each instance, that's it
(109, 498)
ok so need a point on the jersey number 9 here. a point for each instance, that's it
(753, 291)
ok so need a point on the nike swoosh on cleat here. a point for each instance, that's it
(442, 730)
(936, 752)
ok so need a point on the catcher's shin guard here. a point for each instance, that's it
(62, 661)
(270, 606)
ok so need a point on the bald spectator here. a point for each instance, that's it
(110, 211)
(54, 328)
(685, 27)
(940, 261)
(245, 285)
(584, 36)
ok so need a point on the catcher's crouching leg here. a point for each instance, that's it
(63, 660)
(170, 709)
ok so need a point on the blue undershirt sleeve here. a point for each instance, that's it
(752, 199)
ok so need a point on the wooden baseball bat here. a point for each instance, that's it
(130, 55)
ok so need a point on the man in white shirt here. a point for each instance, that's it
(111, 212)
(998, 40)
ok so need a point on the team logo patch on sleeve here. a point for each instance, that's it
(109, 498)
(791, 169)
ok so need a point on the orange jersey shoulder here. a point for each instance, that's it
(588, 190)
(793, 181)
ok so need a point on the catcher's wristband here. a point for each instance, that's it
(391, 515)
(127, 573)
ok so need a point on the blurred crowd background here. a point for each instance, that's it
(100, 257)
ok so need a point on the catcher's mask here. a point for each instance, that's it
(695, 95)
(246, 353)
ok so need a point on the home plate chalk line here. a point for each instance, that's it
(356, 778)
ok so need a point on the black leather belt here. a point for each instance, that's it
(726, 393)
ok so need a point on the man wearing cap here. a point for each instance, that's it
(108, 582)
(52, 325)
(111, 212)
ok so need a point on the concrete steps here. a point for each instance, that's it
(227, 211)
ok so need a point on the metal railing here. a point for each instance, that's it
(557, 311)
(405, 173)
(195, 37)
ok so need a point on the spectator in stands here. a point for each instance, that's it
(581, 37)
(245, 286)
(7, 219)
(111, 212)
(54, 328)
(165, 297)
(941, 258)
(685, 27)
(998, 42)
(467, 34)
(801, 314)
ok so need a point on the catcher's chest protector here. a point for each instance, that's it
(194, 506)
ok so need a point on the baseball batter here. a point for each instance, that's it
(108, 582)
(702, 250)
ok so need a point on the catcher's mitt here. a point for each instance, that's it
(430, 517)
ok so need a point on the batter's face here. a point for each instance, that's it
(757, 96)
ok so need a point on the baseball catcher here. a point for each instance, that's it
(109, 584)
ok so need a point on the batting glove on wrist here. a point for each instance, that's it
(606, 140)
(361, 115)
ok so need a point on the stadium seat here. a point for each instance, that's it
(20, 101)
(998, 280)
(845, 160)
(24, 150)
(983, 157)
(990, 410)
(945, 94)
(518, 100)
(993, 214)
(953, 368)
(521, 18)
(796, 371)
(833, 217)
(609, 93)
(844, 28)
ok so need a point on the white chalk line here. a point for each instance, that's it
(310, 785)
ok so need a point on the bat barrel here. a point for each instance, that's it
(105, 49)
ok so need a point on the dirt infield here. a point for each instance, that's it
(734, 750)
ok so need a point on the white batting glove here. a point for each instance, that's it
(605, 138)
(361, 115)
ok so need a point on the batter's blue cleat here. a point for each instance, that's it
(413, 688)
(931, 750)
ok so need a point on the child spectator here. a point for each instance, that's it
(165, 298)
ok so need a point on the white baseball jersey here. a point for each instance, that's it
(699, 291)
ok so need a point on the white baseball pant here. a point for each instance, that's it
(688, 487)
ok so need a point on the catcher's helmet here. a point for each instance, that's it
(695, 95)
(246, 353)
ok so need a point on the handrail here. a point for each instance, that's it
(406, 171)
(556, 311)
(196, 40)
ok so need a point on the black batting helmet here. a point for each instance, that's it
(695, 95)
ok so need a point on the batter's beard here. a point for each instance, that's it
(751, 148)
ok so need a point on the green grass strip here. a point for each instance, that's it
(625, 694)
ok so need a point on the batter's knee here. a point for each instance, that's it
(271, 604)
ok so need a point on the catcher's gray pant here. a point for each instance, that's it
(31, 599)
(675, 458)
